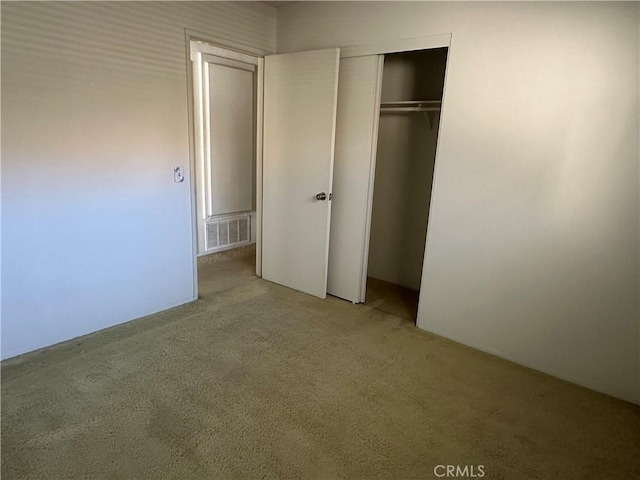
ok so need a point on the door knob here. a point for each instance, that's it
(321, 196)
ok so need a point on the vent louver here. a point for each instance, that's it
(228, 232)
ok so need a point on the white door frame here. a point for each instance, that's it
(397, 46)
(392, 46)
(197, 44)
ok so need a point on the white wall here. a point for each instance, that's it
(532, 251)
(402, 190)
(94, 110)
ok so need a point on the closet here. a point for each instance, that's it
(412, 86)
(388, 113)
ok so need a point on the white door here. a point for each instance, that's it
(356, 142)
(300, 94)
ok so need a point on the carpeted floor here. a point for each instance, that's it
(258, 381)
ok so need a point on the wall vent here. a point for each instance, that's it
(227, 232)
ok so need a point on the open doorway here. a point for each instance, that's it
(412, 87)
(225, 107)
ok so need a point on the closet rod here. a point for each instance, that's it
(410, 106)
(412, 103)
(408, 109)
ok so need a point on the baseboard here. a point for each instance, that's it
(532, 366)
(18, 353)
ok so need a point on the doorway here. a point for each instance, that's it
(225, 106)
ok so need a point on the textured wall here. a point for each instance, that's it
(532, 251)
(94, 116)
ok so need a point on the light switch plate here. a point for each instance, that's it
(178, 175)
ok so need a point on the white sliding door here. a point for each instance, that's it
(300, 93)
(356, 140)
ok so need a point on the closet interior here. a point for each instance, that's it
(412, 87)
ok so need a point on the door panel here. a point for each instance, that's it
(300, 95)
(356, 141)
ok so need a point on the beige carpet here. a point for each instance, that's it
(258, 381)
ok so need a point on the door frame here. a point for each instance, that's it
(398, 46)
(221, 47)
(383, 48)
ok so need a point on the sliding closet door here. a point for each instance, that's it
(300, 93)
(356, 141)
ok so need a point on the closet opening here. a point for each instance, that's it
(412, 87)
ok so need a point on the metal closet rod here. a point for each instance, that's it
(411, 106)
